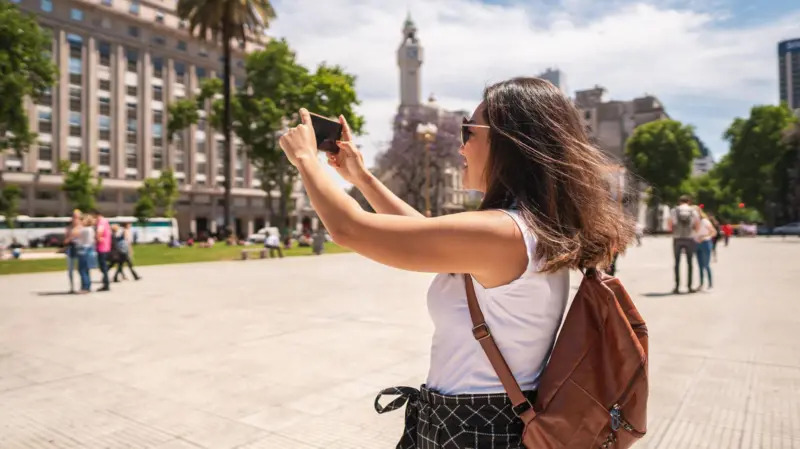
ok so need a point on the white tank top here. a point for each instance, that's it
(523, 317)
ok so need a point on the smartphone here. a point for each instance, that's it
(327, 131)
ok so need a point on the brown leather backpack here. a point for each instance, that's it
(593, 391)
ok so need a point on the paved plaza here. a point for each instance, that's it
(290, 353)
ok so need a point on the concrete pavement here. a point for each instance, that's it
(290, 353)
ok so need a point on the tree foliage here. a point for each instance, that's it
(277, 87)
(759, 166)
(661, 152)
(157, 194)
(25, 71)
(403, 165)
(225, 21)
(9, 203)
(80, 185)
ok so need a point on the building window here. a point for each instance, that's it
(74, 154)
(201, 167)
(105, 105)
(133, 31)
(107, 2)
(105, 85)
(46, 97)
(180, 73)
(587, 115)
(133, 57)
(130, 162)
(75, 99)
(201, 146)
(76, 14)
(201, 124)
(158, 93)
(200, 72)
(158, 163)
(159, 17)
(104, 156)
(45, 122)
(158, 116)
(105, 22)
(158, 68)
(104, 48)
(134, 9)
(203, 52)
(75, 124)
(45, 151)
(46, 195)
(159, 40)
(47, 5)
(131, 90)
(182, 45)
(181, 24)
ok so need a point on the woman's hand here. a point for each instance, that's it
(348, 162)
(299, 142)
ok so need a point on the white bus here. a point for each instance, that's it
(41, 231)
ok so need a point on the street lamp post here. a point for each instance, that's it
(427, 132)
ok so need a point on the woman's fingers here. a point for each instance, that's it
(346, 134)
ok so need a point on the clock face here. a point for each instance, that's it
(412, 52)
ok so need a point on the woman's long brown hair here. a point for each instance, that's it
(542, 164)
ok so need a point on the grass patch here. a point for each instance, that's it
(159, 254)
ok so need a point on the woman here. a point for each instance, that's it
(544, 212)
(85, 243)
(122, 245)
(705, 239)
(71, 250)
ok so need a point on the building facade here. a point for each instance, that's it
(557, 77)
(447, 193)
(789, 72)
(121, 62)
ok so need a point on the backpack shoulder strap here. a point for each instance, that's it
(522, 407)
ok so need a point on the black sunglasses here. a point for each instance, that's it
(466, 124)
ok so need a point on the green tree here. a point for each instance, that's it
(277, 87)
(80, 185)
(9, 203)
(167, 192)
(225, 21)
(25, 71)
(661, 152)
(757, 167)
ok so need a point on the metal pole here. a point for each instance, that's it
(427, 176)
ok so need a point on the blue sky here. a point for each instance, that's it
(708, 61)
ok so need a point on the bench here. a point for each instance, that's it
(262, 253)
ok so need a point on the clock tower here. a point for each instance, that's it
(409, 59)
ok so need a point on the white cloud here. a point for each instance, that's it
(705, 74)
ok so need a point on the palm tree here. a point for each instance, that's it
(223, 21)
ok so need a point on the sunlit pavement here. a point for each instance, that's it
(290, 353)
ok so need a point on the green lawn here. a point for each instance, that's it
(160, 254)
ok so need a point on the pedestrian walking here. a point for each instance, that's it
(122, 245)
(85, 245)
(705, 239)
(639, 233)
(544, 212)
(727, 232)
(103, 247)
(684, 223)
(71, 247)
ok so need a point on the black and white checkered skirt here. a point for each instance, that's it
(437, 421)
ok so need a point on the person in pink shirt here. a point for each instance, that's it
(103, 232)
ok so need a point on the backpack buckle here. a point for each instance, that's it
(521, 408)
(481, 332)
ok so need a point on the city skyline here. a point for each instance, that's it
(707, 63)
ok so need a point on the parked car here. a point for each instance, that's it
(262, 234)
(788, 229)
